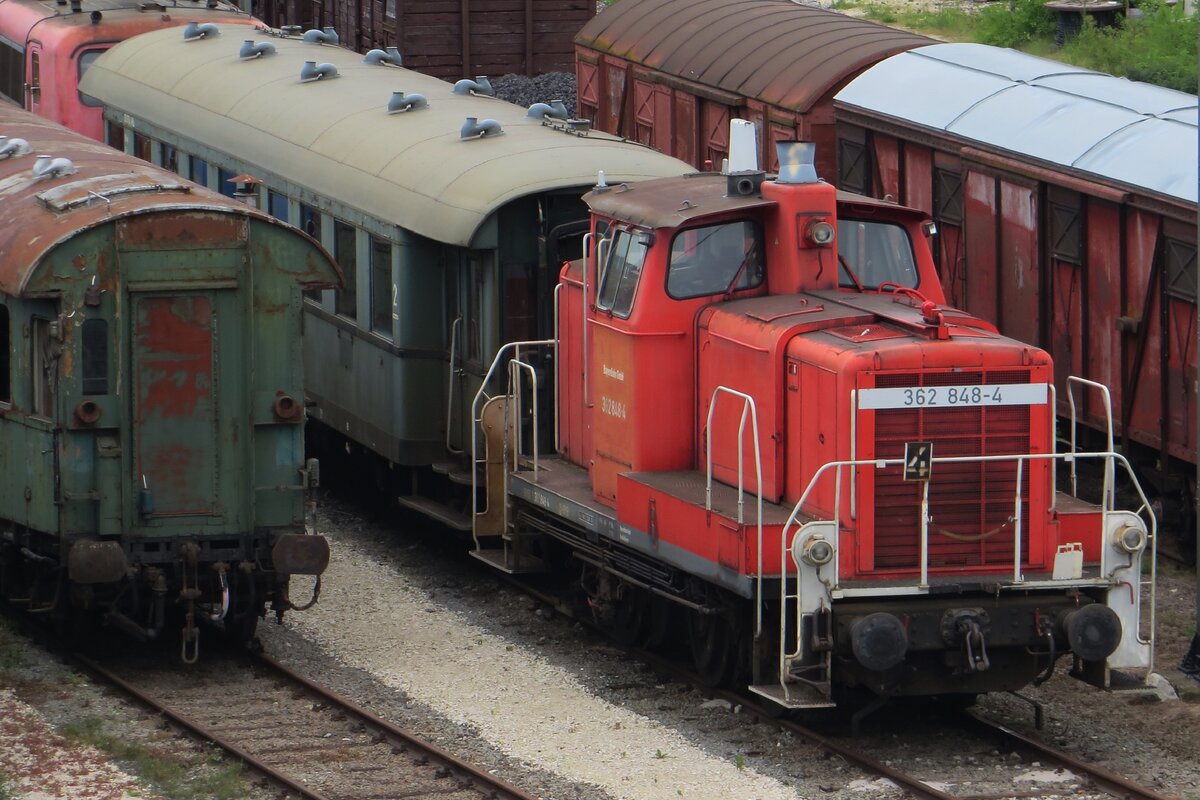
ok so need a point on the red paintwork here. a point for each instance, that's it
(1101, 318)
(58, 38)
(800, 346)
(671, 73)
(178, 332)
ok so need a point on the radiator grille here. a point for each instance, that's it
(970, 504)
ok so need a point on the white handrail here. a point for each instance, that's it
(1112, 457)
(748, 405)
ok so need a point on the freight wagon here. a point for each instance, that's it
(673, 73)
(1065, 202)
(449, 40)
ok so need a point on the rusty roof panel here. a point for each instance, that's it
(36, 214)
(773, 50)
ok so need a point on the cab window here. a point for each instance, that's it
(622, 271)
(874, 253)
(86, 59)
(715, 259)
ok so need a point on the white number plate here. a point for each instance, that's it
(1014, 394)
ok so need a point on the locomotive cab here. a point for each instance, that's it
(769, 420)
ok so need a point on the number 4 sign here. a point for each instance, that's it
(918, 460)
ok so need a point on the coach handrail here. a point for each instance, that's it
(1111, 456)
(748, 406)
(450, 389)
(477, 421)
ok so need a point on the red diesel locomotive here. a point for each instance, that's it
(769, 421)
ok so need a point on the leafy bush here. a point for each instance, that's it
(1015, 23)
(1157, 47)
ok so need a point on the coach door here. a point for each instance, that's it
(33, 72)
(184, 452)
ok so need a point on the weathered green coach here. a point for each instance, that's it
(151, 385)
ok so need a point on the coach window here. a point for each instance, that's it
(115, 136)
(277, 204)
(622, 271)
(381, 286)
(86, 59)
(226, 184)
(198, 171)
(95, 356)
(715, 259)
(141, 147)
(5, 364)
(12, 72)
(345, 252)
(874, 253)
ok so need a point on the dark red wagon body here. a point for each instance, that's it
(672, 73)
(450, 40)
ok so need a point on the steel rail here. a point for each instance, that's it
(1105, 779)
(914, 786)
(1111, 782)
(486, 784)
(482, 780)
(199, 730)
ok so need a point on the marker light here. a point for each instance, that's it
(1130, 538)
(819, 233)
(817, 552)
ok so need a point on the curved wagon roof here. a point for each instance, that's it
(779, 52)
(38, 214)
(1113, 129)
(336, 137)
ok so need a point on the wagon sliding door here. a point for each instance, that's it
(184, 443)
(1003, 260)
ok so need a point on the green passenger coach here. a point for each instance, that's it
(151, 408)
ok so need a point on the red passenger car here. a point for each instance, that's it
(45, 47)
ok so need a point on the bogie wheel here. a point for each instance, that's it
(662, 618)
(630, 622)
(712, 639)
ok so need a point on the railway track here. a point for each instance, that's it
(990, 741)
(305, 739)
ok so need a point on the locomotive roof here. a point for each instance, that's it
(1126, 132)
(335, 136)
(38, 215)
(669, 203)
(32, 12)
(785, 54)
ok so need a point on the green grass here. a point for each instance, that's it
(213, 778)
(6, 790)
